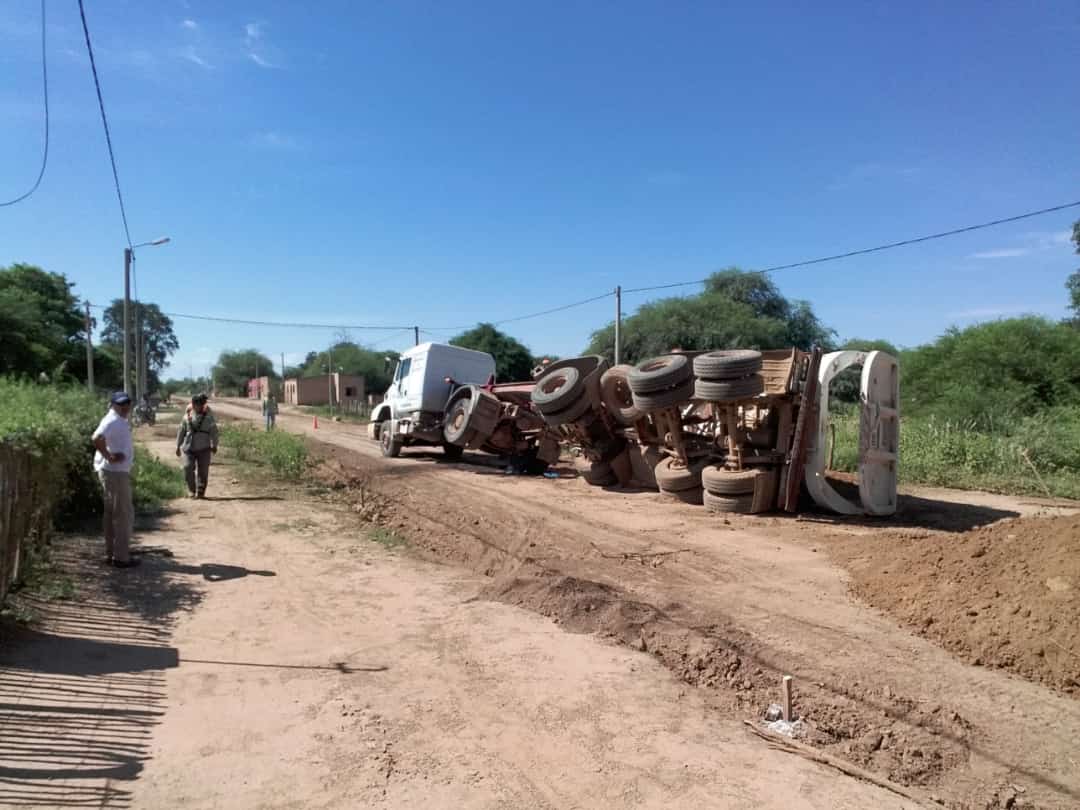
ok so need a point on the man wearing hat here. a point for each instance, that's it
(197, 439)
(112, 462)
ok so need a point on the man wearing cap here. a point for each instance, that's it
(112, 462)
(197, 439)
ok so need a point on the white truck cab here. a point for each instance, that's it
(413, 407)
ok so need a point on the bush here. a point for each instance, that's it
(995, 374)
(153, 481)
(951, 454)
(284, 453)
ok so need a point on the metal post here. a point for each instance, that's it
(127, 321)
(416, 335)
(89, 351)
(258, 385)
(140, 355)
(618, 325)
(330, 378)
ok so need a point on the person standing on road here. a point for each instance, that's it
(269, 408)
(197, 439)
(113, 454)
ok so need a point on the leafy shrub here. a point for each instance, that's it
(284, 453)
(153, 481)
(1032, 455)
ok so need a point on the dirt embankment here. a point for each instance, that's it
(1005, 596)
(909, 742)
(732, 605)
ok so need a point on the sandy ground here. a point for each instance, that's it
(741, 603)
(269, 654)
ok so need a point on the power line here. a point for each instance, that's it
(525, 317)
(45, 94)
(864, 251)
(105, 123)
(287, 324)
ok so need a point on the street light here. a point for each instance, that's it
(129, 257)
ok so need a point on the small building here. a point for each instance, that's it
(258, 387)
(343, 389)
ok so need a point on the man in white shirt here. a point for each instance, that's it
(112, 462)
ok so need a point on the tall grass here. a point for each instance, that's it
(154, 482)
(1030, 455)
(283, 454)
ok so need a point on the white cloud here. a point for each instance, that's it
(190, 25)
(1003, 253)
(191, 56)
(256, 47)
(1035, 241)
(272, 139)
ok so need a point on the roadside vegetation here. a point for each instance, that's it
(51, 425)
(277, 452)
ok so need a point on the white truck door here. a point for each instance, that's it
(879, 433)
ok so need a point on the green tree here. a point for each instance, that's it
(846, 385)
(41, 327)
(735, 310)
(352, 358)
(157, 330)
(234, 369)
(1072, 284)
(513, 361)
(992, 373)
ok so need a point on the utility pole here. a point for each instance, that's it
(258, 384)
(140, 355)
(416, 335)
(330, 378)
(618, 325)
(127, 321)
(89, 352)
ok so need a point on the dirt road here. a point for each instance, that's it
(742, 603)
(268, 654)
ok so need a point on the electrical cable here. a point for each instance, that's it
(105, 124)
(526, 317)
(45, 94)
(286, 324)
(864, 251)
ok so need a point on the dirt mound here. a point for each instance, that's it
(910, 743)
(1004, 596)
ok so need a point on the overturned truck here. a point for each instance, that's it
(736, 431)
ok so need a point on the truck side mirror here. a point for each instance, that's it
(386, 364)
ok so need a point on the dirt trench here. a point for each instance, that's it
(730, 606)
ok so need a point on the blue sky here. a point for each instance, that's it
(446, 163)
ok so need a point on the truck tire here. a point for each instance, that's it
(388, 443)
(727, 365)
(558, 390)
(599, 474)
(719, 481)
(728, 504)
(456, 424)
(647, 403)
(660, 373)
(677, 478)
(729, 390)
(617, 397)
(691, 496)
(577, 410)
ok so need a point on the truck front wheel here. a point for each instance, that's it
(388, 443)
